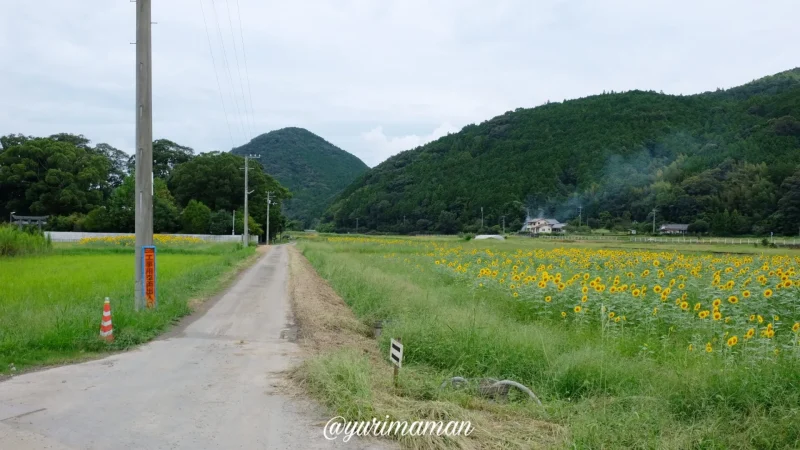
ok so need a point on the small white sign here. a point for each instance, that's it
(396, 353)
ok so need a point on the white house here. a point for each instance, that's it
(541, 225)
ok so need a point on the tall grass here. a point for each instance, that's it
(16, 242)
(50, 306)
(610, 390)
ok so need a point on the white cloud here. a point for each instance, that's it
(380, 146)
(341, 67)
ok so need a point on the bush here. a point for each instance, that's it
(15, 242)
(196, 218)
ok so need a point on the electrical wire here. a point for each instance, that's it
(216, 75)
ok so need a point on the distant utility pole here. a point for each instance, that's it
(481, 218)
(269, 200)
(246, 234)
(504, 224)
(580, 215)
(356, 225)
(144, 145)
(654, 221)
(233, 223)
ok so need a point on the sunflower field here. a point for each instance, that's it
(717, 302)
(129, 240)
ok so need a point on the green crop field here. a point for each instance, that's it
(51, 304)
(626, 347)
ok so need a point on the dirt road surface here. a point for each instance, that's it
(214, 384)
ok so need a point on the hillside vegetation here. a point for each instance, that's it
(311, 167)
(725, 162)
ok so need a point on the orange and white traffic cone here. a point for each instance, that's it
(106, 329)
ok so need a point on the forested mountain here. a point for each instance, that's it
(724, 161)
(311, 167)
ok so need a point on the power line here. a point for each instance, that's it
(228, 69)
(214, 65)
(246, 72)
(238, 70)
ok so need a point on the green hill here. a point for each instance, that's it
(724, 161)
(312, 168)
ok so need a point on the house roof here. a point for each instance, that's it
(675, 226)
(549, 221)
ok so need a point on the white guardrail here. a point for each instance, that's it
(75, 236)
(670, 240)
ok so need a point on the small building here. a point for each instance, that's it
(674, 228)
(541, 225)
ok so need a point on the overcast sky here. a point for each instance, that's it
(373, 77)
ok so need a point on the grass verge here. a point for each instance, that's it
(347, 373)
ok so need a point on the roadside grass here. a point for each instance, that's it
(14, 242)
(51, 305)
(348, 373)
(607, 390)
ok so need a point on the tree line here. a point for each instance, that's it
(91, 188)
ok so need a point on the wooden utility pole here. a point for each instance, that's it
(144, 144)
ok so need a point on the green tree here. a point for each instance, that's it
(166, 215)
(447, 223)
(44, 176)
(166, 156)
(787, 216)
(220, 222)
(13, 140)
(196, 218)
(118, 215)
(216, 180)
(118, 161)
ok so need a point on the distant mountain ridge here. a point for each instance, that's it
(616, 155)
(313, 169)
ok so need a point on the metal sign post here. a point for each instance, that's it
(396, 355)
(149, 271)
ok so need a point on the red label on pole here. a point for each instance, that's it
(150, 277)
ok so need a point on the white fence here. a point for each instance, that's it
(582, 237)
(737, 241)
(670, 240)
(74, 236)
